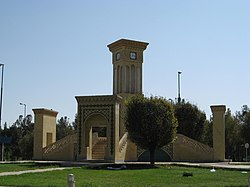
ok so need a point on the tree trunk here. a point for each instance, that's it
(152, 156)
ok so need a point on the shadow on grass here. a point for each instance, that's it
(32, 186)
(32, 165)
(121, 167)
(236, 186)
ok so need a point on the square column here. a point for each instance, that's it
(44, 130)
(219, 132)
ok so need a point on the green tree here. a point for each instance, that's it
(191, 120)
(244, 117)
(233, 139)
(21, 132)
(12, 151)
(150, 122)
(74, 123)
(207, 137)
(26, 145)
(63, 128)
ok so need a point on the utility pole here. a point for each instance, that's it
(179, 86)
(1, 99)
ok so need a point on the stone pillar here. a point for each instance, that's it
(219, 132)
(44, 131)
(90, 147)
(116, 131)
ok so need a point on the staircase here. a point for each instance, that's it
(60, 144)
(98, 151)
(63, 149)
(123, 144)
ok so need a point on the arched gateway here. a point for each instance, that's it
(94, 112)
(101, 134)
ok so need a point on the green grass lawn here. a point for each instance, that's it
(162, 176)
(23, 166)
(240, 163)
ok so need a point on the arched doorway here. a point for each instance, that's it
(96, 142)
(99, 142)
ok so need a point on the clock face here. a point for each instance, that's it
(133, 55)
(118, 56)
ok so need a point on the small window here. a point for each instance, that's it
(117, 56)
(133, 55)
(49, 138)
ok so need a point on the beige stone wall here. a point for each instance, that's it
(49, 127)
(38, 137)
(219, 132)
(66, 154)
(45, 122)
(131, 154)
(187, 149)
(64, 149)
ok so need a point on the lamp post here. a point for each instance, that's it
(179, 86)
(24, 112)
(246, 146)
(1, 98)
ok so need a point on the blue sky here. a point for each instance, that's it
(55, 50)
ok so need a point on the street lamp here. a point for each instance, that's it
(24, 111)
(1, 98)
(246, 146)
(179, 87)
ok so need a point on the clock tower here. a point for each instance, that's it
(127, 59)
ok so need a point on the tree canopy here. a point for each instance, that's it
(150, 122)
(233, 139)
(22, 136)
(63, 128)
(191, 120)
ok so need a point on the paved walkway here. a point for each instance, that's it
(215, 165)
(31, 171)
(218, 165)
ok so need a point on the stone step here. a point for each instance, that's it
(98, 151)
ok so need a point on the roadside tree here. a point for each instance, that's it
(63, 128)
(233, 139)
(191, 120)
(150, 122)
